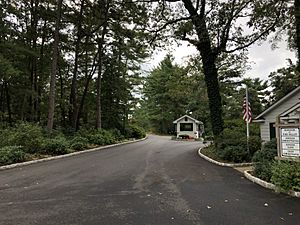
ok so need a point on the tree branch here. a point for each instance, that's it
(156, 32)
(192, 41)
(254, 39)
(202, 10)
(189, 6)
(225, 33)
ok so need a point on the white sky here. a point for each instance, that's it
(263, 60)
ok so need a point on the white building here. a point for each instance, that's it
(188, 127)
(287, 110)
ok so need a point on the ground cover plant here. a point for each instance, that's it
(231, 145)
(28, 141)
(284, 174)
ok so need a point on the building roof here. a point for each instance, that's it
(191, 118)
(293, 108)
(279, 102)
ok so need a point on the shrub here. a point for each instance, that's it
(102, 137)
(79, 143)
(254, 143)
(27, 135)
(11, 154)
(231, 146)
(286, 175)
(239, 125)
(56, 146)
(6, 137)
(263, 160)
(117, 134)
(134, 131)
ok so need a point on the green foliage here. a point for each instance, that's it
(231, 146)
(283, 81)
(11, 154)
(134, 131)
(26, 46)
(117, 134)
(101, 137)
(240, 126)
(32, 140)
(254, 144)
(171, 91)
(286, 175)
(79, 143)
(27, 135)
(56, 146)
(263, 160)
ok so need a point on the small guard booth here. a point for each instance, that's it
(188, 127)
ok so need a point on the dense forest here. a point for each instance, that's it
(78, 64)
(70, 63)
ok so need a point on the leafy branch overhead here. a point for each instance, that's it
(231, 25)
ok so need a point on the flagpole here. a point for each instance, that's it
(247, 111)
(247, 117)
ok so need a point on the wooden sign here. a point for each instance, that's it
(290, 142)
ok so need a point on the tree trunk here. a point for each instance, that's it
(98, 85)
(209, 66)
(8, 104)
(211, 76)
(34, 4)
(100, 64)
(297, 25)
(41, 72)
(89, 77)
(73, 95)
(54, 68)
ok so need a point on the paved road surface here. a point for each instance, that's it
(154, 182)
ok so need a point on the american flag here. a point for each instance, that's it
(247, 111)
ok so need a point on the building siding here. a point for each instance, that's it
(190, 133)
(271, 116)
(265, 131)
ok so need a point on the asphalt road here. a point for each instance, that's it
(153, 182)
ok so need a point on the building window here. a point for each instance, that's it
(185, 119)
(272, 131)
(186, 127)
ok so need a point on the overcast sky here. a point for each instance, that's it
(263, 59)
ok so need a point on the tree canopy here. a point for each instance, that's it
(78, 63)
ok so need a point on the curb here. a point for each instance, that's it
(15, 165)
(220, 163)
(267, 184)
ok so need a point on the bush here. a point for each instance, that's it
(286, 175)
(5, 137)
(102, 137)
(134, 131)
(231, 146)
(254, 145)
(239, 125)
(79, 143)
(263, 160)
(117, 134)
(11, 154)
(56, 146)
(27, 135)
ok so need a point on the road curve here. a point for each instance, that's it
(154, 182)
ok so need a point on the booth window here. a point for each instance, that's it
(186, 127)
